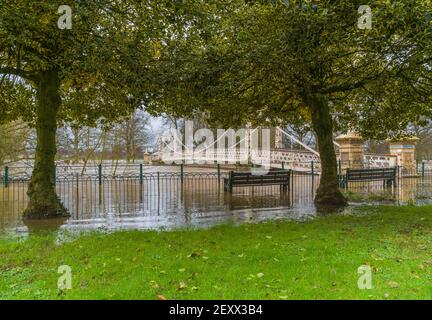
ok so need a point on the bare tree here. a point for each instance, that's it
(14, 142)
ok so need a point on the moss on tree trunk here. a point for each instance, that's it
(329, 197)
(43, 200)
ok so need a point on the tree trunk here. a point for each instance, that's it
(329, 197)
(43, 200)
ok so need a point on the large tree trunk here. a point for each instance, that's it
(328, 198)
(43, 200)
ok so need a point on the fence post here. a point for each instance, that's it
(313, 177)
(141, 174)
(100, 174)
(398, 174)
(100, 182)
(219, 172)
(6, 177)
(283, 165)
(77, 193)
(182, 173)
(423, 170)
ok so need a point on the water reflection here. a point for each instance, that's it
(163, 200)
(44, 226)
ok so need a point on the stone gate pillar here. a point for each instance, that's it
(147, 157)
(278, 139)
(404, 149)
(351, 150)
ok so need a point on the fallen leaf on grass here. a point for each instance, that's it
(194, 255)
(154, 284)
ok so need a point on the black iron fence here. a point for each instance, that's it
(168, 189)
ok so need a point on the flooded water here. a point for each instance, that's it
(162, 198)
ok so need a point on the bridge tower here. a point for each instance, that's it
(404, 149)
(351, 150)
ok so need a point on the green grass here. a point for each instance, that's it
(277, 260)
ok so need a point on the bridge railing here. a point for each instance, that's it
(380, 161)
(294, 159)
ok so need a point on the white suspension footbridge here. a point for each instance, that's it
(299, 158)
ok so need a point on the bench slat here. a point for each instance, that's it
(274, 177)
(388, 175)
(261, 182)
(259, 178)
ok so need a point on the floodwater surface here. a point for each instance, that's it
(163, 199)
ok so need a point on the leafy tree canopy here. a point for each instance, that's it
(278, 62)
(100, 69)
(257, 61)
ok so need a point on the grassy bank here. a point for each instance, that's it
(279, 260)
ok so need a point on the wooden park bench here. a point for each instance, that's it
(387, 175)
(246, 179)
